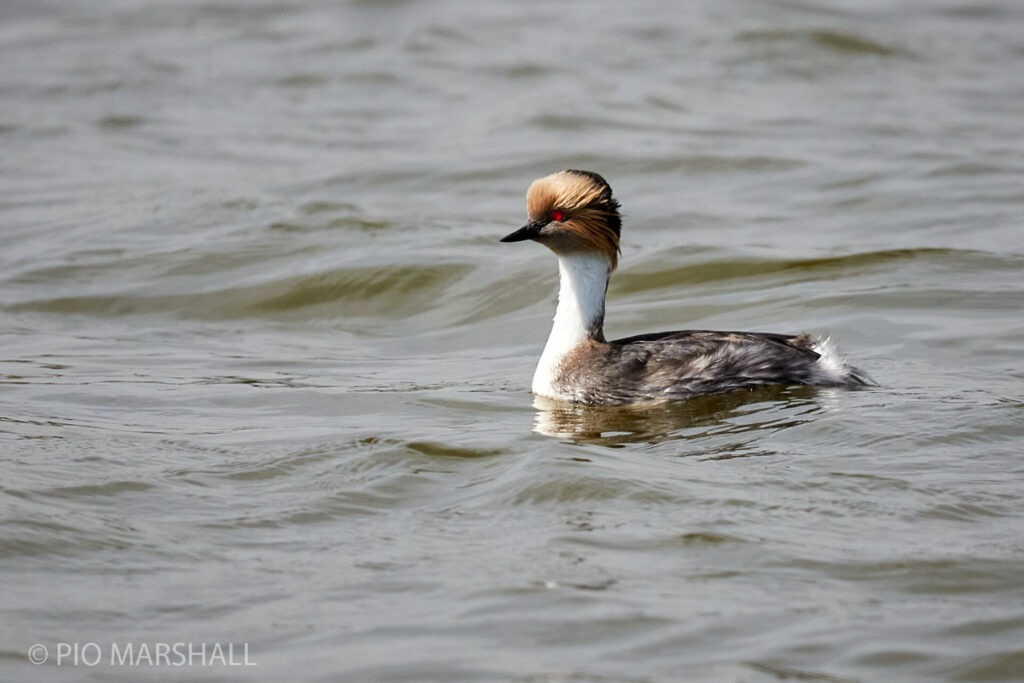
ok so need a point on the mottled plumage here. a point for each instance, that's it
(679, 365)
(574, 214)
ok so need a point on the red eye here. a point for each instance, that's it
(557, 216)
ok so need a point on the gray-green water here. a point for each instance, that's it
(265, 366)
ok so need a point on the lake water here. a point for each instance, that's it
(265, 366)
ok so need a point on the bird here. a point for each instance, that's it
(574, 214)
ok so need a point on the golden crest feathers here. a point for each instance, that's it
(592, 214)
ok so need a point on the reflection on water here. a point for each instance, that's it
(735, 412)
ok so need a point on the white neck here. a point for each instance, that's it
(583, 281)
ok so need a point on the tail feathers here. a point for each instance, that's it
(835, 368)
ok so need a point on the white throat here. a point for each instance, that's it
(583, 282)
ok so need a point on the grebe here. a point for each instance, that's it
(573, 214)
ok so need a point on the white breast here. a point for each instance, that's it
(583, 281)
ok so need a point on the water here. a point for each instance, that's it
(266, 366)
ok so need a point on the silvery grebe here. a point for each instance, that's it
(573, 214)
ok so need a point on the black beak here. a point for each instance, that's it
(527, 232)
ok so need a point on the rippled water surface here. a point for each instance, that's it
(265, 366)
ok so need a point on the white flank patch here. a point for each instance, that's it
(832, 361)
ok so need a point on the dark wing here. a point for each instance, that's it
(802, 341)
(674, 365)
